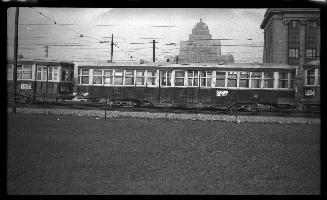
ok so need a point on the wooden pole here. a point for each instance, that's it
(15, 59)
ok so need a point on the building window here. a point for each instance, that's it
(310, 53)
(283, 80)
(165, 77)
(244, 79)
(220, 79)
(310, 77)
(118, 77)
(231, 79)
(193, 78)
(129, 77)
(83, 76)
(256, 79)
(293, 53)
(179, 78)
(97, 76)
(294, 24)
(140, 77)
(151, 77)
(206, 77)
(108, 77)
(268, 79)
(9, 72)
(312, 24)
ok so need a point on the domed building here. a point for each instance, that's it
(201, 48)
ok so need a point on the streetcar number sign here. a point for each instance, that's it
(221, 93)
(24, 86)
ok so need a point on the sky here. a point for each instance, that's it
(84, 34)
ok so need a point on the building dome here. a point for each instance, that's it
(200, 28)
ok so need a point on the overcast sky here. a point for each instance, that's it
(133, 30)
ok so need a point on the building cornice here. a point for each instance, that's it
(272, 11)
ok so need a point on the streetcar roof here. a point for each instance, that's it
(41, 61)
(185, 65)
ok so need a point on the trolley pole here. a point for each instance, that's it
(112, 46)
(15, 59)
(154, 51)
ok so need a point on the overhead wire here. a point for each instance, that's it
(80, 34)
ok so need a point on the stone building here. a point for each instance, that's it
(292, 36)
(201, 48)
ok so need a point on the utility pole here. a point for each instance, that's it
(15, 59)
(112, 46)
(154, 51)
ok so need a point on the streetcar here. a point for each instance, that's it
(41, 79)
(189, 85)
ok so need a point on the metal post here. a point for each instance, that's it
(154, 52)
(46, 86)
(35, 85)
(199, 82)
(105, 109)
(112, 46)
(15, 59)
(44, 103)
(159, 88)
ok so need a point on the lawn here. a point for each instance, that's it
(84, 155)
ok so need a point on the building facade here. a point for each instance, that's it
(292, 36)
(201, 48)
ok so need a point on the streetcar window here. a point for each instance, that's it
(38, 73)
(85, 72)
(65, 74)
(179, 78)
(19, 72)
(44, 73)
(140, 77)
(83, 76)
(193, 78)
(85, 80)
(283, 80)
(232, 79)
(151, 77)
(129, 77)
(268, 81)
(165, 77)
(220, 79)
(97, 76)
(118, 77)
(310, 79)
(50, 74)
(108, 77)
(206, 77)
(55, 73)
(244, 79)
(256, 79)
